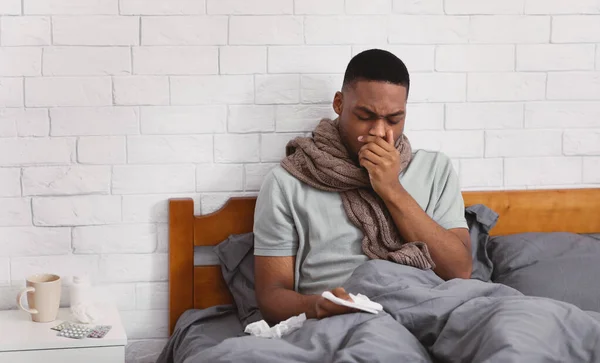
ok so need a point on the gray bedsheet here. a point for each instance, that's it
(425, 320)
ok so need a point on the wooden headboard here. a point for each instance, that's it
(190, 287)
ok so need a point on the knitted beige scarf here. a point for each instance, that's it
(323, 162)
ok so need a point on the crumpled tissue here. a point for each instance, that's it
(85, 313)
(263, 330)
(360, 302)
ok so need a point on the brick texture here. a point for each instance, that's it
(109, 108)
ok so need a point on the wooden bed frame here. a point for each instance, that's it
(190, 287)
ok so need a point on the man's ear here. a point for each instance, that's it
(338, 101)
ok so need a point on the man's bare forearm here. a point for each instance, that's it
(280, 304)
(451, 256)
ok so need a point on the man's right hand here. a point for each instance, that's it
(325, 308)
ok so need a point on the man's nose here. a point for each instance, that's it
(378, 128)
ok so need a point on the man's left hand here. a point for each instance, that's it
(381, 159)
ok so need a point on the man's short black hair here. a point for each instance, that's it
(377, 65)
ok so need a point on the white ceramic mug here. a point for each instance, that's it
(43, 297)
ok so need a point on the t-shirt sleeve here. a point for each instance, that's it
(449, 211)
(274, 229)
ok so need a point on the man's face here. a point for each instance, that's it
(370, 108)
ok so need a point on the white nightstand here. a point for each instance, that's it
(23, 341)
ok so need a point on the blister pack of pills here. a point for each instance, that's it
(74, 331)
(99, 331)
(78, 331)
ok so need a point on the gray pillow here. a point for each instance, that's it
(480, 220)
(561, 266)
(236, 255)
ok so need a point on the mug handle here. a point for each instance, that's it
(20, 295)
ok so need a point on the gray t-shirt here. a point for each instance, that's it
(294, 219)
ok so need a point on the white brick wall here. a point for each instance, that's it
(562, 115)
(108, 108)
(488, 116)
(160, 7)
(15, 212)
(318, 7)
(11, 92)
(254, 60)
(574, 86)
(491, 7)
(29, 30)
(425, 116)
(70, 7)
(141, 90)
(142, 179)
(277, 89)
(576, 29)
(67, 91)
(271, 30)
(542, 171)
(513, 143)
(20, 61)
(241, 7)
(35, 241)
(95, 30)
(507, 86)
(591, 170)
(475, 58)
(419, 7)
(183, 119)
(429, 29)
(210, 90)
(133, 268)
(219, 177)
(184, 30)
(31, 151)
(175, 60)
(83, 61)
(169, 149)
(237, 148)
(555, 57)
(515, 29)
(101, 150)
(561, 7)
(582, 142)
(66, 180)
(10, 182)
(251, 118)
(10, 7)
(311, 59)
(94, 121)
(76, 210)
(122, 238)
(354, 29)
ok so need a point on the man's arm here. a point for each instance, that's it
(276, 298)
(275, 245)
(274, 286)
(449, 249)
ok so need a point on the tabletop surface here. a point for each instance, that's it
(18, 332)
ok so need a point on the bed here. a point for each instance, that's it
(202, 288)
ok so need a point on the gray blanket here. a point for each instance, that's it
(425, 320)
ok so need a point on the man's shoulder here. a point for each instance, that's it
(280, 178)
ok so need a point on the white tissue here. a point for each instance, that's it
(261, 328)
(85, 313)
(360, 302)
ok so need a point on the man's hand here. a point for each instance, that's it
(382, 161)
(325, 308)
